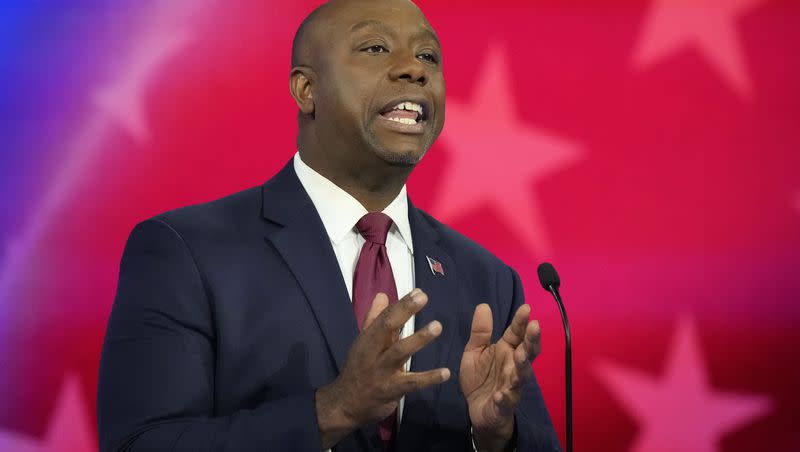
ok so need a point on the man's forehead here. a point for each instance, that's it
(338, 19)
(355, 15)
(421, 28)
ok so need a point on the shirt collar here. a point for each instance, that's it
(340, 212)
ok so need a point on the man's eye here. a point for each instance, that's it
(377, 48)
(429, 57)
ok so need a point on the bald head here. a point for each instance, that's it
(307, 34)
(301, 45)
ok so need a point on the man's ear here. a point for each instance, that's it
(301, 87)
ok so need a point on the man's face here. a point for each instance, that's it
(380, 80)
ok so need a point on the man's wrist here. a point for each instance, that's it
(502, 439)
(334, 423)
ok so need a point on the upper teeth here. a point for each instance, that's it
(410, 106)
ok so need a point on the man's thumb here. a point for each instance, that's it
(481, 333)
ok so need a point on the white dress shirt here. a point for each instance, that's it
(339, 213)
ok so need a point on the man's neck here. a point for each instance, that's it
(373, 185)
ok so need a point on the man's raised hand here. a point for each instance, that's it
(374, 379)
(492, 375)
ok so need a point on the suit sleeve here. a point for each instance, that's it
(156, 382)
(534, 430)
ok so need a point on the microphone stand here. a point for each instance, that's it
(567, 363)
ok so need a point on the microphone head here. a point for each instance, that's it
(548, 276)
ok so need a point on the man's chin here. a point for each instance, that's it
(404, 157)
(398, 150)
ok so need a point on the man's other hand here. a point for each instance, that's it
(492, 375)
(374, 378)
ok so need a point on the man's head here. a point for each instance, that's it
(361, 72)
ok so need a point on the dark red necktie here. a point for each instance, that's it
(373, 275)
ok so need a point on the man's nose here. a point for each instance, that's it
(408, 68)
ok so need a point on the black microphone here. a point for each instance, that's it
(551, 282)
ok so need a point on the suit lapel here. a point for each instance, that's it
(443, 292)
(306, 249)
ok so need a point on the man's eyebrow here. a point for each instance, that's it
(426, 33)
(369, 23)
(373, 23)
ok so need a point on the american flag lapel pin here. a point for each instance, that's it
(436, 266)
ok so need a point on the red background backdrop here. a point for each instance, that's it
(649, 149)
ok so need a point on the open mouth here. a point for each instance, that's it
(406, 112)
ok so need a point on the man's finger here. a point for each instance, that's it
(481, 334)
(530, 347)
(515, 333)
(399, 353)
(506, 401)
(380, 303)
(533, 340)
(513, 375)
(521, 357)
(395, 316)
(414, 381)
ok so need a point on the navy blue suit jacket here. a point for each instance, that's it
(229, 315)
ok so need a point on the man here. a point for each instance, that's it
(268, 320)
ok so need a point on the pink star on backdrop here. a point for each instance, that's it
(709, 26)
(679, 411)
(70, 428)
(120, 102)
(123, 100)
(495, 158)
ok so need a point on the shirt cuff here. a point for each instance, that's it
(472, 440)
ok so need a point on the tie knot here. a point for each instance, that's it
(374, 227)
